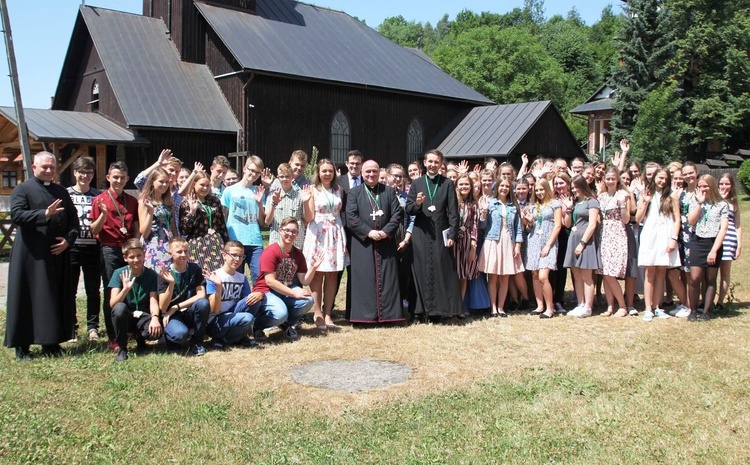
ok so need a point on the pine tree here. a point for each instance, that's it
(646, 60)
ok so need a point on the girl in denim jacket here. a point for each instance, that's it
(501, 254)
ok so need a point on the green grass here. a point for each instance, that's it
(665, 394)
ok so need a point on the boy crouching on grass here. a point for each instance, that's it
(231, 300)
(134, 302)
(182, 300)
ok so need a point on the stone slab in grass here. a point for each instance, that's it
(351, 375)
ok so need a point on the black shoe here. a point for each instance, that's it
(693, 316)
(502, 315)
(218, 344)
(51, 350)
(704, 316)
(536, 313)
(524, 304)
(122, 355)
(248, 343)
(544, 316)
(667, 303)
(23, 353)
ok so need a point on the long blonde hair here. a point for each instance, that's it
(148, 188)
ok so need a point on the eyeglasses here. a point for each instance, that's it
(290, 232)
(235, 256)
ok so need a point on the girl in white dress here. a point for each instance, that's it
(660, 214)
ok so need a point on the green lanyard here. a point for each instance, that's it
(375, 199)
(330, 200)
(117, 208)
(177, 281)
(539, 217)
(575, 215)
(138, 294)
(209, 213)
(707, 211)
(431, 193)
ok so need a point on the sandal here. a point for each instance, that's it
(320, 323)
(609, 312)
(621, 313)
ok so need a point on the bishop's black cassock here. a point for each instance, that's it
(373, 279)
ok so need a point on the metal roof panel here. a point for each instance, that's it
(153, 86)
(296, 39)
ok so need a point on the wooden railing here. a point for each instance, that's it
(6, 233)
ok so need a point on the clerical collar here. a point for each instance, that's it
(46, 183)
(432, 176)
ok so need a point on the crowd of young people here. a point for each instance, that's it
(484, 239)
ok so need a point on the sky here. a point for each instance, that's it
(42, 29)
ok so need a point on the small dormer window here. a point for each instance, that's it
(414, 141)
(94, 103)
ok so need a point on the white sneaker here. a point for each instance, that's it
(648, 315)
(683, 312)
(632, 311)
(659, 313)
(580, 312)
(674, 311)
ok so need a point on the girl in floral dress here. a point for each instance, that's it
(614, 202)
(156, 220)
(545, 223)
(325, 232)
(201, 214)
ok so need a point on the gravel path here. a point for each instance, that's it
(351, 375)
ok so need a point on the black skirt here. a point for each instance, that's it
(700, 247)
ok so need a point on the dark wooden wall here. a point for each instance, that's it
(187, 28)
(549, 137)
(79, 82)
(292, 114)
(188, 146)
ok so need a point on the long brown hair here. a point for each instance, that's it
(470, 197)
(665, 205)
(148, 188)
(316, 177)
(583, 187)
(511, 192)
(732, 194)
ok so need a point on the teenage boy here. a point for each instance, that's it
(219, 169)
(134, 301)
(231, 300)
(182, 300)
(85, 252)
(114, 220)
(284, 303)
(297, 163)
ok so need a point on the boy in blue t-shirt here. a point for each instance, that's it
(134, 302)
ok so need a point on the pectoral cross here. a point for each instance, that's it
(376, 214)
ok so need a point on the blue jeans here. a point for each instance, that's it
(194, 317)
(276, 309)
(252, 258)
(232, 326)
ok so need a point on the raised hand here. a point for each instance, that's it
(647, 196)
(193, 203)
(213, 277)
(700, 196)
(198, 166)
(266, 177)
(482, 204)
(102, 206)
(305, 193)
(316, 260)
(165, 156)
(259, 191)
(54, 208)
(463, 167)
(625, 146)
(478, 168)
(524, 159)
(127, 279)
(149, 206)
(166, 274)
(276, 196)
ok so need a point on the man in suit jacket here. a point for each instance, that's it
(349, 181)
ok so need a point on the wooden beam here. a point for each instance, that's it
(101, 165)
(7, 131)
(81, 151)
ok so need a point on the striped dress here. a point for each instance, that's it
(730, 240)
(465, 266)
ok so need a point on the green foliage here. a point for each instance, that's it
(312, 166)
(647, 50)
(744, 175)
(507, 65)
(403, 32)
(657, 133)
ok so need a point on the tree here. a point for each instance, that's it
(646, 59)
(658, 133)
(403, 32)
(714, 63)
(506, 65)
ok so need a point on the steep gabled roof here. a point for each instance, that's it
(303, 41)
(153, 87)
(502, 130)
(601, 100)
(72, 126)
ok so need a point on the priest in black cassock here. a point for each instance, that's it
(41, 302)
(432, 201)
(373, 216)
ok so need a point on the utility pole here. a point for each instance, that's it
(23, 132)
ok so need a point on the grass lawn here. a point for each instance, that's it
(518, 390)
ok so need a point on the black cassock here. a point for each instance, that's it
(41, 303)
(434, 265)
(373, 279)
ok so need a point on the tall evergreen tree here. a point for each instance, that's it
(646, 60)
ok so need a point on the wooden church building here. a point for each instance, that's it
(263, 77)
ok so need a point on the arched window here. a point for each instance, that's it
(414, 141)
(339, 138)
(94, 96)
